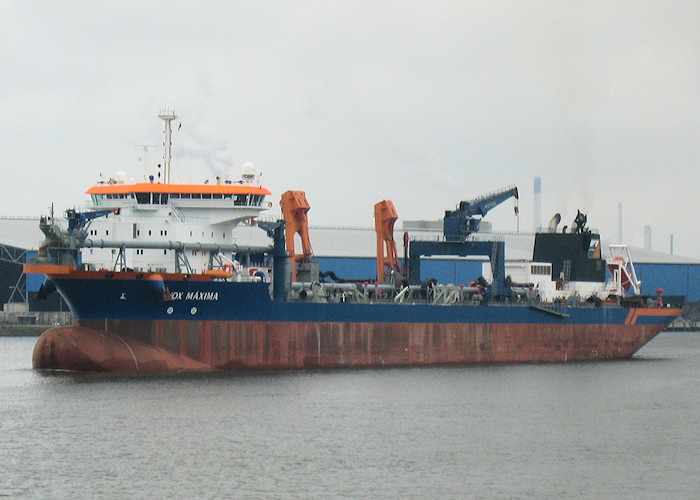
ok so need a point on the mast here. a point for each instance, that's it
(167, 115)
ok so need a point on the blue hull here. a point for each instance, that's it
(231, 301)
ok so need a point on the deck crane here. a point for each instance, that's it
(466, 218)
(458, 225)
(80, 220)
(385, 216)
(66, 243)
(294, 210)
(62, 244)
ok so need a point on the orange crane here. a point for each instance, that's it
(387, 257)
(294, 209)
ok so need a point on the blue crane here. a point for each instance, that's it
(78, 220)
(458, 225)
(465, 220)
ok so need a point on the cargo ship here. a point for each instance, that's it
(156, 284)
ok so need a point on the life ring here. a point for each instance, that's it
(228, 268)
(252, 271)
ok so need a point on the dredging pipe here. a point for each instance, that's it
(175, 245)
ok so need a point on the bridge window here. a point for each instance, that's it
(160, 198)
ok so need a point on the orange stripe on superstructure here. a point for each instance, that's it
(149, 187)
(71, 272)
(48, 269)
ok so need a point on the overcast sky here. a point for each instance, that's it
(424, 103)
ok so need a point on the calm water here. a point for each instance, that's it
(627, 429)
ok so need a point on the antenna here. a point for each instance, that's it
(146, 158)
(167, 115)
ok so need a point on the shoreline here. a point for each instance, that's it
(23, 330)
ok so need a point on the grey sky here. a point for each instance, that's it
(423, 103)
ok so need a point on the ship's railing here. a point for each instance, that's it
(19, 217)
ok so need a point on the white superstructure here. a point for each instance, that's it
(159, 226)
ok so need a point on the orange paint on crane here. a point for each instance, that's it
(385, 217)
(294, 210)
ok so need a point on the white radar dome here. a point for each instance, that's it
(121, 177)
(248, 172)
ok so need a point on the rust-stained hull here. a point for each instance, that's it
(162, 323)
(162, 346)
(84, 349)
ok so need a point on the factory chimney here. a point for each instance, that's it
(619, 223)
(647, 237)
(537, 210)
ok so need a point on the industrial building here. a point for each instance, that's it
(19, 239)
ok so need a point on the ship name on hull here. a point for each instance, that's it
(194, 295)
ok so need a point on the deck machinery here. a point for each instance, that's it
(459, 224)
